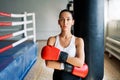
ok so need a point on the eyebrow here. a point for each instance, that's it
(66, 17)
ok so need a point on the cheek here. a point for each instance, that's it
(72, 23)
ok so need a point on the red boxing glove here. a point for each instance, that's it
(82, 72)
(77, 71)
(52, 53)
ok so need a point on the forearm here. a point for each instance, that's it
(53, 64)
(75, 61)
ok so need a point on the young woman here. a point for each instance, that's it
(66, 42)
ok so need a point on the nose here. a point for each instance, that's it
(65, 22)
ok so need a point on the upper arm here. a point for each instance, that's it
(80, 49)
(51, 41)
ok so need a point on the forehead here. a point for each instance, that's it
(65, 14)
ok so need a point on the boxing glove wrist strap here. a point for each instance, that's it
(68, 67)
(63, 56)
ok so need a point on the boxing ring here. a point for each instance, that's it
(17, 56)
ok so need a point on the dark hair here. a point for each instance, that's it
(65, 10)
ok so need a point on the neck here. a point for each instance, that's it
(66, 34)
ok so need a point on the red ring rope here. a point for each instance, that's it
(5, 14)
(5, 23)
(5, 48)
(5, 36)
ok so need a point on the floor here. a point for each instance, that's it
(40, 72)
(111, 68)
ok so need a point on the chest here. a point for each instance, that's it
(64, 42)
(67, 46)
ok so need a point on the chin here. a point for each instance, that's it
(65, 29)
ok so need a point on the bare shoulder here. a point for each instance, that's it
(51, 40)
(79, 40)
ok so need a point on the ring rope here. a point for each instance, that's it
(5, 14)
(3, 37)
(24, 31)
(14, 23)
(11, 35)
(15, 44)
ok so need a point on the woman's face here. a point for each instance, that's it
(66, 21)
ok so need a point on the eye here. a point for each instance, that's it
(61, 19)
(68, 19)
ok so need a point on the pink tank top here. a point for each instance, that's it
(70, 49)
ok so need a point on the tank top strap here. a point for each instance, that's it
(57, 43)
(56, 40)
(72, 42)
(73, 39)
